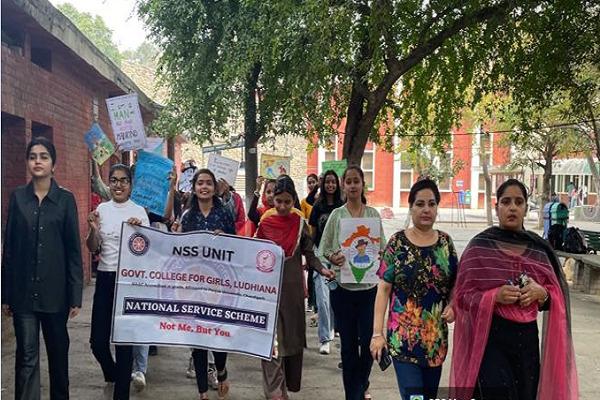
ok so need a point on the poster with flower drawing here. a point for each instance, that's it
(360, 243)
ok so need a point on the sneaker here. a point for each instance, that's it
(191, 372)
(324, 349)
(212, 377)
(139, 380)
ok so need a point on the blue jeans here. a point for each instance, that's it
(416, 380)
(354, 319)
(140, 358)
(324, 306)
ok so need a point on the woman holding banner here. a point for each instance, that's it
(206, 212)
(104, 237)
(352, 303)
(288, 229)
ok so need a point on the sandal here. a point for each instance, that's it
(222, 390)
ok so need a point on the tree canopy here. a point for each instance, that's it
(407, 66)
(94, 27)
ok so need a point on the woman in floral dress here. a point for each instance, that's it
(417, 273)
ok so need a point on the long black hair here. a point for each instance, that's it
(337, 195)
(285, 184)
(193, 202)
(362, 177)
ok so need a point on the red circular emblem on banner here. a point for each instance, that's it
(138, 244)
(265, 261)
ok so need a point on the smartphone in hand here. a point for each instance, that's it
(385, 360)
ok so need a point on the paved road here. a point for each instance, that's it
(322, 379)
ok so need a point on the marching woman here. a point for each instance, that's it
(206, 212)
(287, 228)
(417, 272)
(352, 303)
(329, 200)
(41, 273)
(104, 236)
(507, 275)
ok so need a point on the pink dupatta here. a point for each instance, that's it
(491, 259)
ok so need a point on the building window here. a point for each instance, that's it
(406, 171)
(42, 57)
(39, 129)
(445, 164)
(368, 167)
(330, 155)
(13, 35)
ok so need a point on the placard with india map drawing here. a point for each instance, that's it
(360, 240)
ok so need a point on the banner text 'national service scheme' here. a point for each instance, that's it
(197, 289)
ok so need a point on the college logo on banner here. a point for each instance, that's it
(138, 244)
(265, 261)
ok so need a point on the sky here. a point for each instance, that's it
(119, 15)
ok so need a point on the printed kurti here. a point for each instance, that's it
(422, 279)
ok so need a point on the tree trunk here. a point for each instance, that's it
(251, 134)
(488, 179)
(352, 134)
(546, 187)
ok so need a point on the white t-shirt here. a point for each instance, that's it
(111, 215)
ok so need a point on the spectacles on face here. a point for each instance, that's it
(116, 181)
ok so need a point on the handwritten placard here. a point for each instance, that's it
(223, 168)
(154, 145)
(151, 182)
(99, 144)
(126, 121)
(271, 166)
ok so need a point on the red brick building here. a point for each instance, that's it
(389, 176)
(54, 84)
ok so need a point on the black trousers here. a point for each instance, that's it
(353, 313)
(200, 357)
(118, 371)
(27, 362)
(510, 368)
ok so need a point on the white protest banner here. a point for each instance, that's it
(223, 168)
(197, 289)
(154, 145)
(360, 241)
(185, 180)
(126, 121)
(151, 182)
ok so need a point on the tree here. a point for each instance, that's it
(401, 65)
(95, 29)
(145, 54)
(411, 60)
